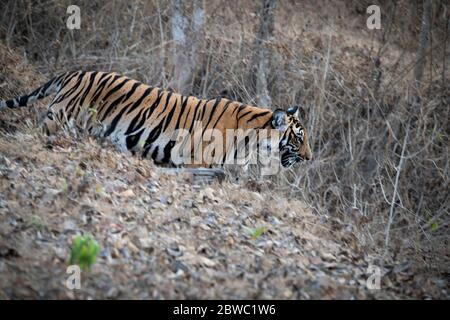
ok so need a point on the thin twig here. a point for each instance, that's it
(394, 195)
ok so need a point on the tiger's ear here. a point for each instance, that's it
(293, 111)
(279, 120)
(297, 111)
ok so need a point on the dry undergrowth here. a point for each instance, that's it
(322, 224)
(160, 235)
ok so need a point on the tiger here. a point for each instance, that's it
(142, 119)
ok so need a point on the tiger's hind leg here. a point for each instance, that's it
(56, 116)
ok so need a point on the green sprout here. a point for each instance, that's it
(93, 113)
(255, 233)
(439, 136)
(434, 226)
(84, 251)
(99, 190)
(65, 185)
(35, 222)
(78, 171)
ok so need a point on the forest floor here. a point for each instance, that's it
(161, 236)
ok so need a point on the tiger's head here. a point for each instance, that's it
(294, 145)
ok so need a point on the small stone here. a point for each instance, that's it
(127, 193)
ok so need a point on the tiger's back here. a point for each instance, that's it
(136, 116)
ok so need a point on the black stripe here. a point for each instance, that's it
(223, 112)
(143, 119)
(131, 127)
(70, 76)
(60, 79)
(265, 125)
(167, 151)
(104, 75)
(169, 117)
(23, 101)
(139, 101)
(201, 116)
(204, 109)
(187, 116)
(214, 107)
(43, 89)
(120, 99)
(77, 108)
(183, 109)
(115, 89)
(91, 83)
(69, 91)
(236, 108)
(152, 136)
(101, 84)
(111, 108)
(155, 104)
(255, 116)
(71, 107)
(115, 121)
(241, 116)
(132, 91)
(71, 104)
(132, 140)
(197, 107)
(166, 104)
(155, 153)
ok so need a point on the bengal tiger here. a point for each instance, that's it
(142, 118)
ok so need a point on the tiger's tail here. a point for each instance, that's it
(47, 89)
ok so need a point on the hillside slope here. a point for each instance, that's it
(160, 235)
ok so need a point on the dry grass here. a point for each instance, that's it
(372, 189)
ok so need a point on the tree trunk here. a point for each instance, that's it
(423, 41)
(187, 32)
(260, 61)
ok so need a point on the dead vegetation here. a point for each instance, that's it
(376, 192)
